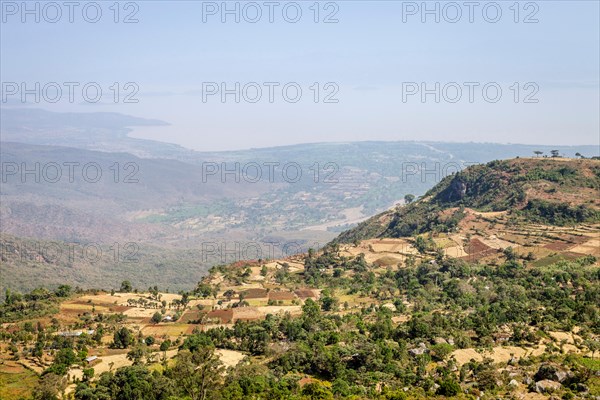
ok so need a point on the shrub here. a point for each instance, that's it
(449, 387)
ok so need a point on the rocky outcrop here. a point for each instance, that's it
(547, 386)
(553, 373)
(455, 191)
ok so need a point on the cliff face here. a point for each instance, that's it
(455, 192)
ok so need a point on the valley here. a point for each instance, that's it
(484, 298)
(178, 202)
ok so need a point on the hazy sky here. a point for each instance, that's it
(375, 61)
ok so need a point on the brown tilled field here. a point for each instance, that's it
(225, 316)
(476, 246)
(281, 295)
(255, 293)
(191, 315)
(306, 294)
(558, 246)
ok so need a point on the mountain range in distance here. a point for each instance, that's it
(201, 208)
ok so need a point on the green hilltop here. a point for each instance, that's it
(553, 191)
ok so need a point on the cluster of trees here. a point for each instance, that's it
(145, 303)
(317, 268)
(558, 175)
(363, 354)
(559, 213)
(556, 153)
(360, 353)
(35, 304)
(419, 218)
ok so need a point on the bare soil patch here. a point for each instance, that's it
(387, 261)
(230, 358)
(499, 354)
(225, 316)
(589, 247)
(140, 312)
(191, 315)
(306, 294)
(281, 295)
(246, 314)
(476, 246)
(293, 310)
(171, 330)
(558, 246)
(255, 294)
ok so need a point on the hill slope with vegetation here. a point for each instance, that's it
(546, 190)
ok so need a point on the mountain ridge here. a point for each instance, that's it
(528, 186)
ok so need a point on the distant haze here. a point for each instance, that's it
(369, 55)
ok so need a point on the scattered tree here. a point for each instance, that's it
(125, 287)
